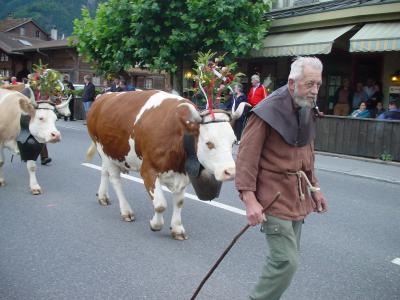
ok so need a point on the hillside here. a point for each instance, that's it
(48, 13)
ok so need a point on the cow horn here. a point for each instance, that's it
(64, 103)
(239, 111)
(195, 114)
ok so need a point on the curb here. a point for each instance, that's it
(366, 159)
(360, 176)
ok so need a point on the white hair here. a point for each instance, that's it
(256, 77)
(297, 67)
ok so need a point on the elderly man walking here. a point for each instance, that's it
(277, 154)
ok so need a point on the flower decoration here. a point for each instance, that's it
(213, 78)
(45, 83)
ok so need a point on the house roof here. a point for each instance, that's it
(8, 43)
(9, 24)
(11, 43)
(54, 44)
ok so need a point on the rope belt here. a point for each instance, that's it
(311, 188)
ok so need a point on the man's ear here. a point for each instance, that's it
(291, 84)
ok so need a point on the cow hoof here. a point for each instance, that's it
(156, 227)
(129, 217)
(36, 191)
(104, 201)
(2, 183)
(179, 236)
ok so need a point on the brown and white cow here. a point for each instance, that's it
(42, 127)
(143, 131)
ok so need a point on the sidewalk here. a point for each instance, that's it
(360, 167)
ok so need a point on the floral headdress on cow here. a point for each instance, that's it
(45, 83)
(214, 78)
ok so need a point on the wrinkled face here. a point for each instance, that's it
(305, 89)
(42, 125)
(214, 147)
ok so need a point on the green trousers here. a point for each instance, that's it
(283, 239)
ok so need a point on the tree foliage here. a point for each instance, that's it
(162, 34)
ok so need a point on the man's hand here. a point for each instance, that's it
(320, 202)
(253, 208)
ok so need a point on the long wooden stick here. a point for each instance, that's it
(277, 195)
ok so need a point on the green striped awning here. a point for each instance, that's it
(376, 37)
(310, 42)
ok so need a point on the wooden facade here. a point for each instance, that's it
(358, 137)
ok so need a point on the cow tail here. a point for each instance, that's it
(91, 151)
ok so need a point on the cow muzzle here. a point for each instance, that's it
(225, 174)
(55, 137)
(228, 174)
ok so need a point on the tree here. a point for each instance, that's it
(161, 35)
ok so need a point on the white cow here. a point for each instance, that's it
(42, 127)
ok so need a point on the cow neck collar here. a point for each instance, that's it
(206, 113)
(46, 107)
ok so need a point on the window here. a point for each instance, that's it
(22, 31)
(304, 2)
(25, 43)
(148, 83)
(4, 72)
(280, 4)
(38, 33)
(3, 57)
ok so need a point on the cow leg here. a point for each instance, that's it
(115, 178)
(160, 204)
(102, 194)
(33, 184)
(2, 181)
(13, 146)
(177, 229)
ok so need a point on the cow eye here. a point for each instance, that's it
(210, 145)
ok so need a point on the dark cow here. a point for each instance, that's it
(144, 131)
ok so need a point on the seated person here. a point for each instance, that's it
(362, 111)
(378, 109)
(393, 112)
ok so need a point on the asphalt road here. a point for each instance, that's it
(63, 245)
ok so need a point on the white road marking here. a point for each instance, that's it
(396, 261)
(187, 195)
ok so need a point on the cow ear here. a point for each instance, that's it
(26, 107)
(186, 119)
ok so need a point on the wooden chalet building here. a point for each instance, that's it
(24, 43)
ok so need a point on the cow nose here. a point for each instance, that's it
(55, 136)
(229, 173)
